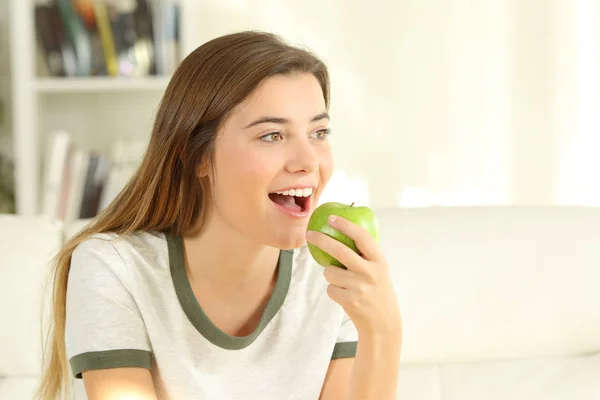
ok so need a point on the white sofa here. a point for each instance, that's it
(498, 302)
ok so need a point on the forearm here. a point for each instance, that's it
(376, 364)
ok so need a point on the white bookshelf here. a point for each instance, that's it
(95, 110)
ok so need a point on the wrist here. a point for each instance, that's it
(389, 336)
(389, 330)
(377, 364)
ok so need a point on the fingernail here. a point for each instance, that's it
(332, 218)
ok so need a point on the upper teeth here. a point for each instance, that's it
(297, 192)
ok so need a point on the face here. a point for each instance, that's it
(272, 161)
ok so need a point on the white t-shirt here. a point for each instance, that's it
(130, 304)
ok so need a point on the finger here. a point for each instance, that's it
(336, 249)
(338, 294)
(365, 243)
(342, 278)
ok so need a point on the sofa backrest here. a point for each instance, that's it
(26, 247)
(485, 283)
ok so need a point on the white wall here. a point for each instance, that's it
(450, 101)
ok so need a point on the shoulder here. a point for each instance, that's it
(110, 252)
(110, 245)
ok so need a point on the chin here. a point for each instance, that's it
(288, 240)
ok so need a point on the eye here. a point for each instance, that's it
(272, 137)
(322, 134)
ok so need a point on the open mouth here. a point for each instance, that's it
(292, 203)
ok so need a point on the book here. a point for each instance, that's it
(166, 35)
(79, 167)
(144, 43)
(79, 39)
(95, 186)
(50, 35)
(87, 13)
(55, 165)
(121, 16)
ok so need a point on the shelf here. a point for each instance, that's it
(99, 84)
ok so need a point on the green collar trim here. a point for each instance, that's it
(198, 317)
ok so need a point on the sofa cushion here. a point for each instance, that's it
(17, 388)
(27, 245)
(420, 382)
(548, 378)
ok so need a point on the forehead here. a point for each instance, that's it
(294, 96)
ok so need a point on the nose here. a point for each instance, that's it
(303, 157)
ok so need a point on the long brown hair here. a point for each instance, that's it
(165, 193)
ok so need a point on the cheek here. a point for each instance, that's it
(241, 170)
(325, 165)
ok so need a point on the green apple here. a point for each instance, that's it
(362, 216)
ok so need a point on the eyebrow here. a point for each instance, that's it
(283, 121)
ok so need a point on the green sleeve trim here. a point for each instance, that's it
(110, 359)
(344, 350)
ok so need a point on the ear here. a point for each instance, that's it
(203, 168)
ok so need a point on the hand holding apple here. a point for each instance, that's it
(364, 288)
(362, 216)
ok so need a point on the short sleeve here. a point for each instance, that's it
(104, 328)
(345, 346)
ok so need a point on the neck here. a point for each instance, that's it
(223, 256)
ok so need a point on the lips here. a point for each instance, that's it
(295, 201)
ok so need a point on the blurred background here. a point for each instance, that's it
(434, 102)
